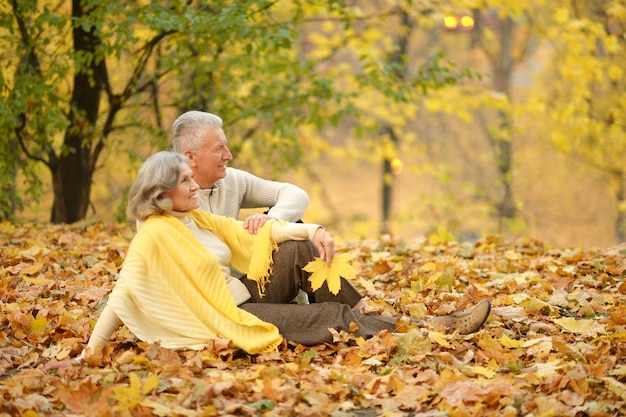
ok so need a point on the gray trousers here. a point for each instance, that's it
(308, 324)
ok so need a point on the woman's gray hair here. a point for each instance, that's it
(157, 175)
(188, 130)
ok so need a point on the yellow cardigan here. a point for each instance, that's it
(171, 288)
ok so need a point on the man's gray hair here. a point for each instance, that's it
(189, 128)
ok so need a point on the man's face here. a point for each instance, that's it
(209, 162)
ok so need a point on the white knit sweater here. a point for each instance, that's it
(240, 189)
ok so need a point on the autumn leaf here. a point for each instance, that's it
(547, 369)
(321, 272)
(510, 343)
(617, 387)
(480, 370)
(129, 396)
(262, 405)
(133, 394)
(429, 266)
(572, 325)
(33, 269)
(416, 310)
(440, 338)
(38, 326)
(413, 343)
(441, 236)
(523, 357)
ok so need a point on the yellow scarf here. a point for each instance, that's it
(251, 254)
(171, 288)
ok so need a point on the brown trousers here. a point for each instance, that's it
(308, 324)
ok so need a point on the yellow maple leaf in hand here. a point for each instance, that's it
(320, 272)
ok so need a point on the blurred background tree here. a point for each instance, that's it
(83, 71)
(397, 116)
(583, 104)
(479, 155)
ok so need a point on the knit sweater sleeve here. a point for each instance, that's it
(285, 201)
(107, 323)
(283, 231)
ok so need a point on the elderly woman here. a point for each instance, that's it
(176, 287)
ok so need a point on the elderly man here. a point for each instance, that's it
(225, 190)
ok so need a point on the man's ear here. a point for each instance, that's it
(191, 157)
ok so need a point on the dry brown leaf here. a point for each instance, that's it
(553, 343)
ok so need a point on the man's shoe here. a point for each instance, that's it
(470, 320)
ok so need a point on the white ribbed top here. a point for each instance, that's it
(240, 189)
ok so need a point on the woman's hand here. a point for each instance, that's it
(325, 244)
(66, 363)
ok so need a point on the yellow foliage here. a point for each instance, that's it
(129, 396)
(133, 394)
(617, 387)
(611, 43)
(441, 236)
(389, 150)
(151, 383)
(440, 338)
(38, 326)
(452, 101)
(481, 370)
(548, 369)
(617, 10)
(322, 272)
(416, 310)
(562, 15)
(572, 325)
(506, 341)
(615, 72)
(486, 369)
(328, 26)
(513, 9)
(429, 266)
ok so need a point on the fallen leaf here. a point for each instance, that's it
(32, 269)
(528, 360)
(547, 369)
(574, 325)
(510, 343)
(38, 326)
(322, 272)
(481, 370)
(440, 338)
(617, 387)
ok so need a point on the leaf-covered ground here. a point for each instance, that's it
(554, 345)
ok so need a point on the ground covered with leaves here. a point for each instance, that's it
(554, 345)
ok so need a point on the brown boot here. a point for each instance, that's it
(470, 320)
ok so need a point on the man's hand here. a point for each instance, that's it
(254, 222)
(325, 245)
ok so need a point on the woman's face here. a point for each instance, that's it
(185, 195)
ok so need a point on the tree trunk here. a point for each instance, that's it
(396, 59)
(502, 70)
(73, 171)
(388, 184)
(387, 194)
(620, 222)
